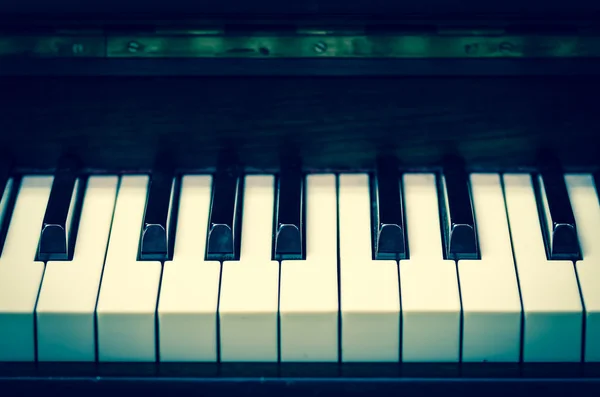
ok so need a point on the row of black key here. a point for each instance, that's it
(459, 233)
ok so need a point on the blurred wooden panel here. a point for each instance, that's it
(334, 123)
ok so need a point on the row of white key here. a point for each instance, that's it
(258, 310)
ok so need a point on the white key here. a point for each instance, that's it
(20, 274)
(549, 291)
(249, 287)
(67, 302)
(584, 200)
(189, 292)
(128, 293)
(308, 303)
(490, 292)
(370, 299)
(428, 283)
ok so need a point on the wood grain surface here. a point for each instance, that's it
(333, 123)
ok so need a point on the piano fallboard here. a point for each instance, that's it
(337, 123)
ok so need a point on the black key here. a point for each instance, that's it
(460, 237)
(57, 239)
(556, 213)
(289, 228)
(157, 231)
(8, 197)
(224, 224)
(4, 176)
(388, 219)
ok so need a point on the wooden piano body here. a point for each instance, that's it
(336, 83)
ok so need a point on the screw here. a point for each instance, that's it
(320, 47)
(77, 48)
(505, 47)
(133, 46)
(472, 49)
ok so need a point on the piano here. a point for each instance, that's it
(319, 198)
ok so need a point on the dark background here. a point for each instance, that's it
(543, 10)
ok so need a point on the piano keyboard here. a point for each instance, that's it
(424, 267)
